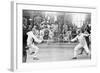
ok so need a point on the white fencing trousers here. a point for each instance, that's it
(35, 49)
(79, 46)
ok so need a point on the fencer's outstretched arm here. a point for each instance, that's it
(31, 35)
(36, 39)
(74, 39)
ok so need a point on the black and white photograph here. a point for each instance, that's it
(50, 36)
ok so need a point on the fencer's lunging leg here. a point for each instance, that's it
(36, 49)
(87, 49)
(76, 49)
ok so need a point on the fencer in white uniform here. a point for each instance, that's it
(82, 43)
(33, 49)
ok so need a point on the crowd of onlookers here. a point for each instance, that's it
(52, 31)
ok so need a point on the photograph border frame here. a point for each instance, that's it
(14, 40)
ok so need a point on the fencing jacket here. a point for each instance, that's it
(81, 39)
(32, 37)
